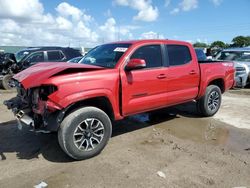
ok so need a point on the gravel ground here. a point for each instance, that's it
(171, 148)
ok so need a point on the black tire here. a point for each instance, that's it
(6, 81)
(71, 125)
(210, 103)
(1, 84)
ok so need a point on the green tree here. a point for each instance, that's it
(200, 45)
(248, 41)
(218, 44)
(241, 41)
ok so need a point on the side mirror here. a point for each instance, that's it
(135, 64)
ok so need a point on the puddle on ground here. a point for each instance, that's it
(197, 129)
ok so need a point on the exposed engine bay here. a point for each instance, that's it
(32, 107)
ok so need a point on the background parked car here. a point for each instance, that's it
(31, 56)
(1, 59)
(14, 63)
(241, 58)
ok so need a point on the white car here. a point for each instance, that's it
(241, 59)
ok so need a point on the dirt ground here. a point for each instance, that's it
(185, 149)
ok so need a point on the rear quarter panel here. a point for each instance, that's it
(216, 70)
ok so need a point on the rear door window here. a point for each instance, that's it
(55, 56)
(178, 55)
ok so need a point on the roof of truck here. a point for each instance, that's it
(150, 40)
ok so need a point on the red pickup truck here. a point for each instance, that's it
(113, 81)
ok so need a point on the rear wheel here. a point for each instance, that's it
(84, 133)
(210, 103)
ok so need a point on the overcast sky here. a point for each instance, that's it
(91, 22)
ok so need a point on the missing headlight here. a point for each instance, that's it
(35, 96)
(47, 90)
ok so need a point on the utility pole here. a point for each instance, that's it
(118, 34)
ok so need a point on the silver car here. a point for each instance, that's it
(241, 59)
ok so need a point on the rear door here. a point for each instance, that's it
(144, 89)
(183, 74)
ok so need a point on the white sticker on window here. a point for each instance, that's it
(120, 49)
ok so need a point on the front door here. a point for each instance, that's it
(144, 89)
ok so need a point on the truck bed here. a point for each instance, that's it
(211, 70)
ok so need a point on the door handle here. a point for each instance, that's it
(192, 72)
(161, 76)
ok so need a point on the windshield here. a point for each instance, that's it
(106, 55)
(20, 55)
(241, 56)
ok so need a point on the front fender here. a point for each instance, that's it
(90, 94)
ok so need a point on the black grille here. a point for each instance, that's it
(240, 69)
(21, 92)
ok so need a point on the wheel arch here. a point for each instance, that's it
(218, 82)
(101, 102)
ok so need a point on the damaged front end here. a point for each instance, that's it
(33, 107)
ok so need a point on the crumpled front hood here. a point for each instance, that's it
(37, 74)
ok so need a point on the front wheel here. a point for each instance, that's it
(210, 103)
(84, 132)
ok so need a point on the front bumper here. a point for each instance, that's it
(21, 115)
(238, 82)
(241, 80)
(24, 120)
(46, 122)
